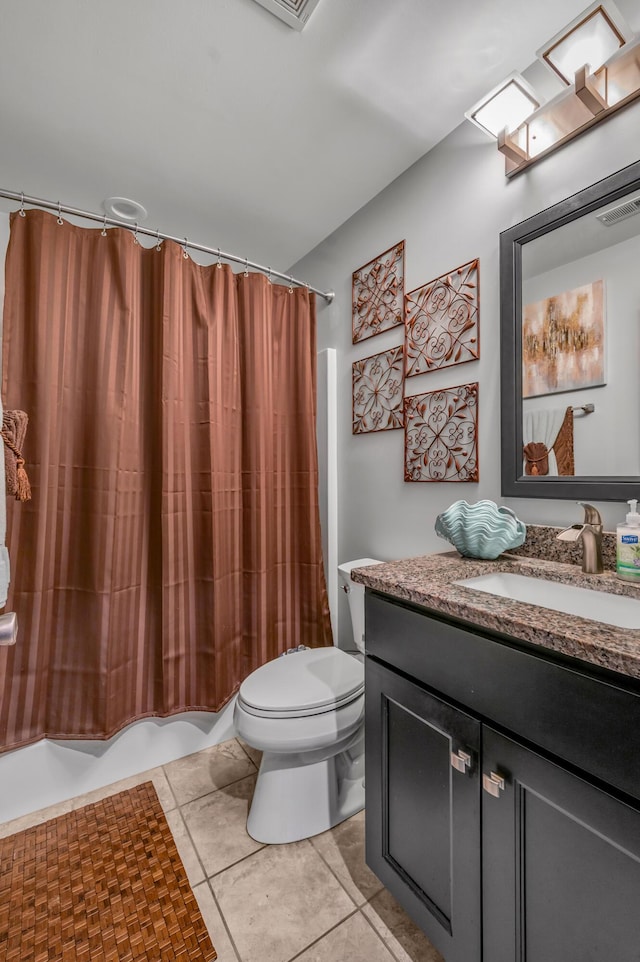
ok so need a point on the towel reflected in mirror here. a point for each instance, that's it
(548, 442)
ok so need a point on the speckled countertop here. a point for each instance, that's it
(429, 581)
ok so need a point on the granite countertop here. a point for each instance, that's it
(429, 581)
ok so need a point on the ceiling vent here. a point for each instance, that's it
(621, 212)
(295, 13)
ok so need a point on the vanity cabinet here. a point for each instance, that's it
(561, 863)
(503, 806)
(422, 817)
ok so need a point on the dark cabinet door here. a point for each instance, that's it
(423, 809)
(561, 863)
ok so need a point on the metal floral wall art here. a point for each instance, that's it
(442, 320)
(378, 294)
(377, 392)
(441, 435)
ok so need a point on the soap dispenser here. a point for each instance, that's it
(628, 546)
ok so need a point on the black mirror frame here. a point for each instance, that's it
(514, 483)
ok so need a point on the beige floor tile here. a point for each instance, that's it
(215, 926)
(34, 818)
(253, 753)
(163, 789)
(155, 775)
(186, 851)
(279, 901)
(197, 775)
(342, 848)
(217, 824)
(352, 941)
(404, 939)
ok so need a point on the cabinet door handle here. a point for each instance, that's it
(493, 784)
(461, 761)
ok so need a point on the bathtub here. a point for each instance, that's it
(52, 771)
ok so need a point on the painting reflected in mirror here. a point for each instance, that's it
(563, 341)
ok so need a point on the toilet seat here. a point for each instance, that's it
(308, 682)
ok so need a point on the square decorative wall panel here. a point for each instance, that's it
(377, 392)
(441, 435)
(378, 294)
(442, 320)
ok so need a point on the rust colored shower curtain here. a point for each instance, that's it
(172, 544)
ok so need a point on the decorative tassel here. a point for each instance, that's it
(23, 488)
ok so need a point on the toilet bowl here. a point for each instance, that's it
(305, 712)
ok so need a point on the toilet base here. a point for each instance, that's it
(295, 798)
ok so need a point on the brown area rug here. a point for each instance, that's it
(102, 883)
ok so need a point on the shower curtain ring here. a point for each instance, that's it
(60, 221)
(290, 284)
(135, 234)
(184, 249)
(103, 232)
(22, 210)
(219, 260)
(246, 267)
(158, 243)
(269, 274)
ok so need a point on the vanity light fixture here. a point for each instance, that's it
(592, 38)
(596, 58)
(506, 106)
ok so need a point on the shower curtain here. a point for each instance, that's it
(172, 543)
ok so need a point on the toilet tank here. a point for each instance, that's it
(355, 595)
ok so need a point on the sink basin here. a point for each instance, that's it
(618, 610)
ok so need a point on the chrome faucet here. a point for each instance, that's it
(590, 533)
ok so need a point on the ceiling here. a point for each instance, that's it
(230, 127)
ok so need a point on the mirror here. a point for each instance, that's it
(570, 346)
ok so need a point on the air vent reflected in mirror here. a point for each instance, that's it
(615, 214)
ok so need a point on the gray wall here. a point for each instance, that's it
(450, 207)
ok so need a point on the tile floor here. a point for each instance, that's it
(312, 901)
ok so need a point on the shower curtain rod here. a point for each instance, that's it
(23, 199)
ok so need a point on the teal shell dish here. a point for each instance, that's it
(480, 530)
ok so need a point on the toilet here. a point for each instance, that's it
(305, 712)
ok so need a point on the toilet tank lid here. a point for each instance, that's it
(347, 566)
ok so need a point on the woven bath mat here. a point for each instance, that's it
(104, 883)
